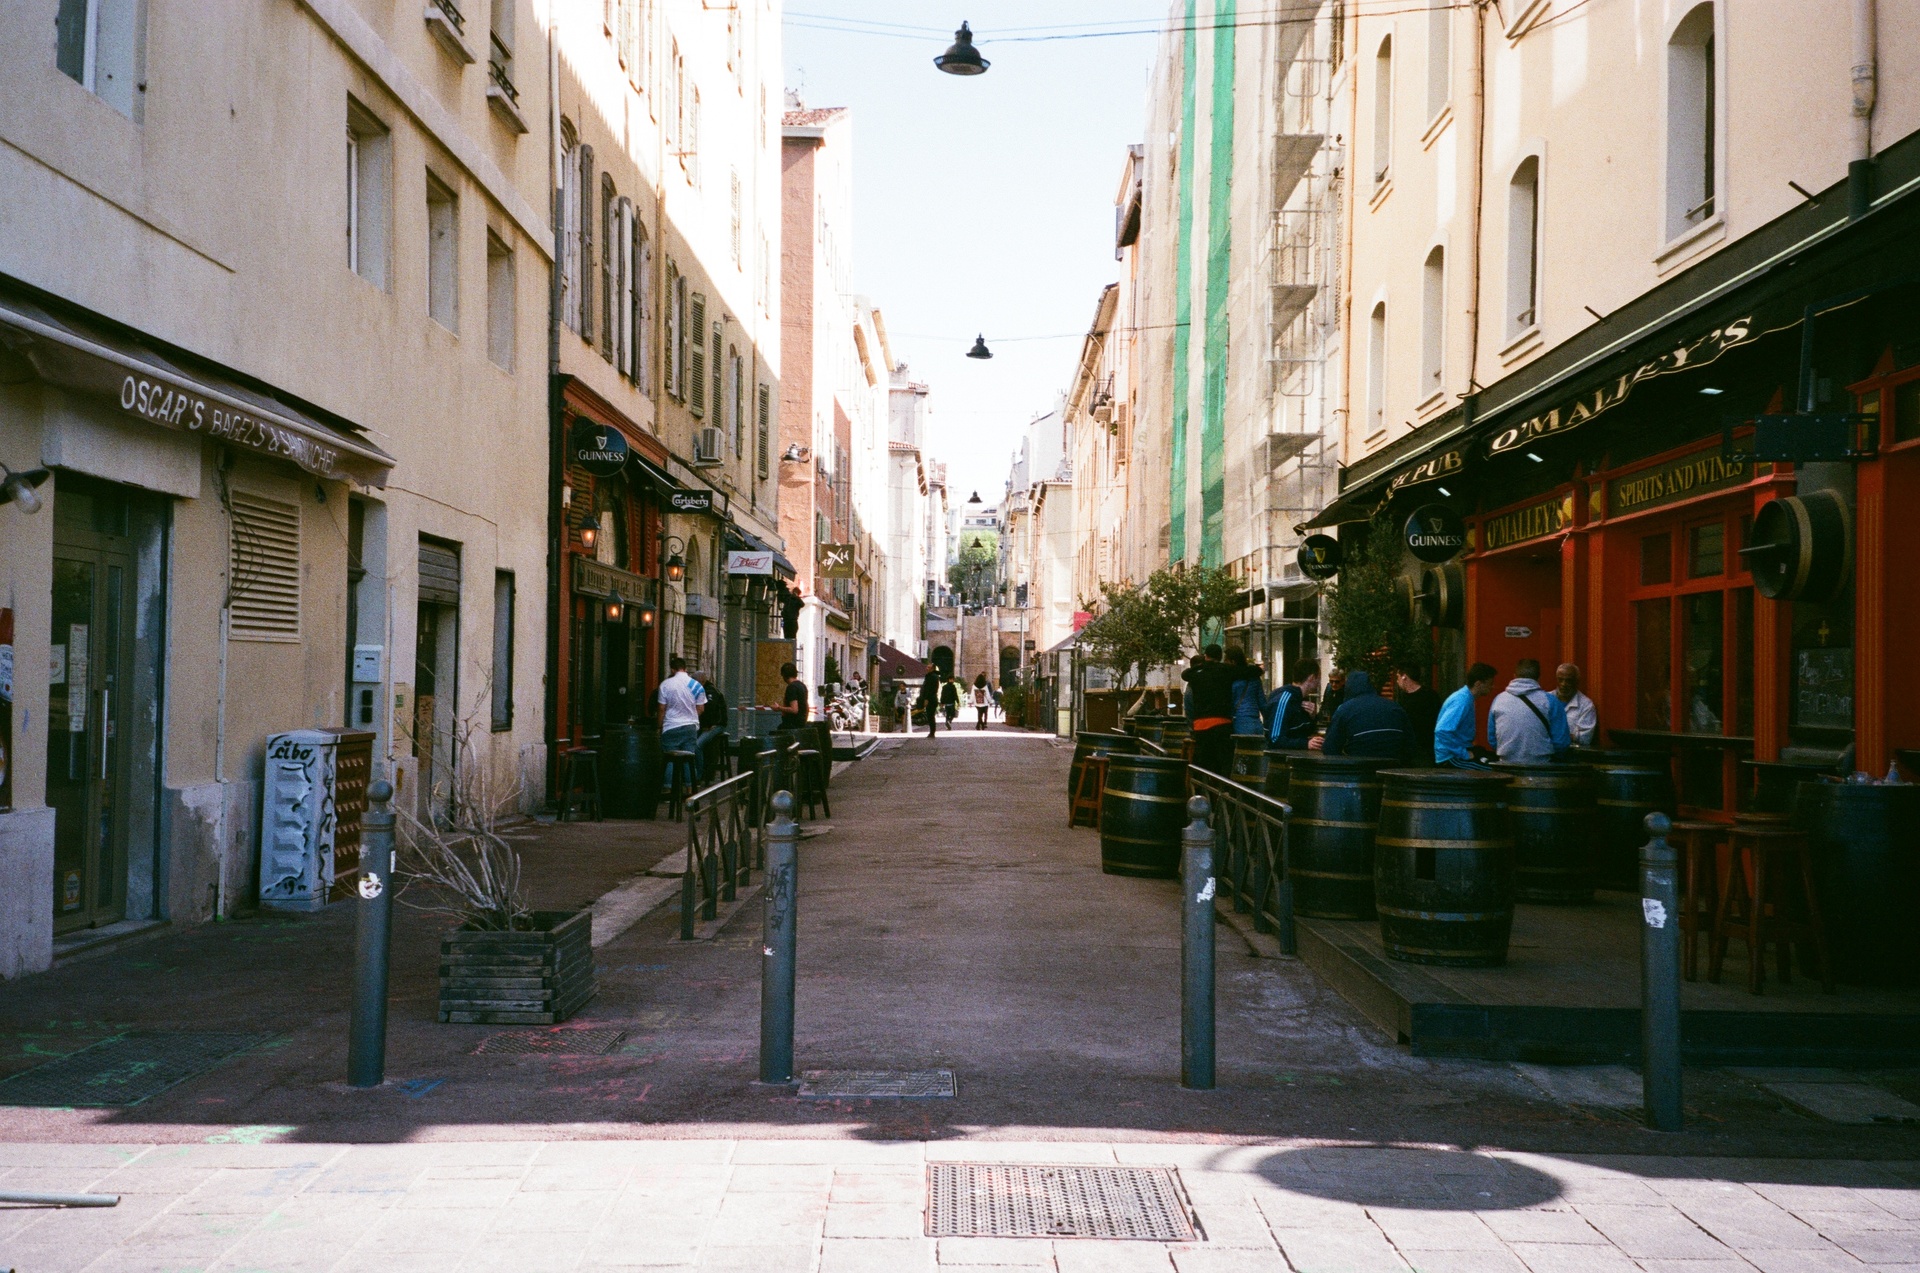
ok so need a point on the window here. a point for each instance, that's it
(500, 42)
(102, 46)
(1691, 143)
(1653, 664)
(736, 60)
(676, 332)
(676, 116)
(1383, 111)
(502, 650)
(500, 302)
(443, 259)
(736, 419)
(1439, 55)
(624, 283)
(765, 427)
(263, 565)
(583, 213)
(640, 252)
(738, 260)
(1523, 247)
(369, 193)
(1377, 370)
(691, 155)
(1433, 323)
(609, 263)
(696, 354)
(638, 26)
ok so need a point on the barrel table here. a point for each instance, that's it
(1275, 783)
(1443, 867)
(1629, 786)
(1551, 809)
(1865, 842)
(1249, 767)
(1088, 741)
(1336, 805)
(1142, 812)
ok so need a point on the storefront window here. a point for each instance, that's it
(1906, 411)
(1707, 550)
(1653, 660)
(1706, 674)
(1656, 559)
(1743, 662)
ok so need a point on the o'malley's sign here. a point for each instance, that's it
(1669, 483)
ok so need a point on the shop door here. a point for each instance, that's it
(88, 674)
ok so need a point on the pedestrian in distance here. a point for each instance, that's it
(982, 699)
(793, 705)
(1249, 693)
(1210, 683)
(949, 699)
(902, 705)
(1527, 725)
(681, 698)
(1367, 725)
(1289, 720)
(930, 699)
(1583, 719)
(1422, 706)
(1454, 733)
(713, 729)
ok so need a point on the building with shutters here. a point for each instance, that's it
(666, 345)
(273, 339)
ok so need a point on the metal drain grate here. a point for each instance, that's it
(123, 1070)
(1002, 1200)
(551, 1043)
(868, 1084)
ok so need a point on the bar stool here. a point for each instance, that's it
(1769, 854)
(1700, 886)
(1083, 807)
(680, 765)
(812, 784)
(580, 783)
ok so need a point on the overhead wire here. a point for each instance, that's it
(1126, 27)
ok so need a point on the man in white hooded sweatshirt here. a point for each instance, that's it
(1527, 725)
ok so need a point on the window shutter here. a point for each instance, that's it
(677, 343)
(587, 189)
(570, 259)
(697, 355)
(439, 573)
(737, 249)
(766, 425)
(642, 309)
(609, 262)
(264, 569)
(716, 368)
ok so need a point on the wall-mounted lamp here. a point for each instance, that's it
(676, 565)
(17, 488)
(795, 454)
(646, 615)
(616, 606)
(587, 535)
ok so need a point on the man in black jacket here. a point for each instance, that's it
(1367, 725)
(1290, 724)
(1423, 711)
(1210, 708)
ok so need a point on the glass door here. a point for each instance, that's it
(87, 674)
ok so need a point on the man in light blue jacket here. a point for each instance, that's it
(1454, 732)
(1527, 725)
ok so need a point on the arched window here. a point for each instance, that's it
(1383, 111)
(570, 227)
(610, 547)
(1692, 143)
(1377, 370)
(1439, 55)
(1433, 323)
(1523, 247)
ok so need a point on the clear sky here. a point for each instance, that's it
(982, 204)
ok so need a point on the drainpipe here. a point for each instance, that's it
(556, 445)
(1480, 188)
(1865, 90)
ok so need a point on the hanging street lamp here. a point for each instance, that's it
(961, 58)
(980, 349)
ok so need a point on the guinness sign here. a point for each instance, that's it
(599, 449)
(1435, 533)
(1319, 557)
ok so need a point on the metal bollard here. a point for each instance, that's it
(1660, 978)
(1196, 950)
(372, 930)
(778, 944)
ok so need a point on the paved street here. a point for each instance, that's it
(949, 919)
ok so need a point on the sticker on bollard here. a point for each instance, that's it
(1660, 979)
(372, 937)
(1196, 949)
(778, 944)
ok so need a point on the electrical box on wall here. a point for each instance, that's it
(368, 663)
(298, 817)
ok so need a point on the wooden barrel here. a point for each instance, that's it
(1336, 806)
(1249, 760)
(1152, 730)
(1275, 783)
(1085, 743)
(1443, 866)
(1142, 812)
(1626, 791)
(1865, 842)
(1550, 808)
(1175, 730)
(1135, 723)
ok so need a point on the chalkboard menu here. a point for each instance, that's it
(1823, 688)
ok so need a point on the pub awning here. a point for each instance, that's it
(171, 389)
(742, 540)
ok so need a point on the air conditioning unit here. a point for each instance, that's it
(706, 446)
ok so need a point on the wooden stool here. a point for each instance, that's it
(580, 783)
(1700, 886)
(1083, 806)
(680, 764)
(1762, 911)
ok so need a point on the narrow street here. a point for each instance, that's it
(948, 919)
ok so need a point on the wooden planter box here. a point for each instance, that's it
(537, 977)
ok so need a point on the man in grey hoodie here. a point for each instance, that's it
(1527, 725)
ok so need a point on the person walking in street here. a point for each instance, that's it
(1249, 693)
(1453, 733)
(1422, 706)
(681, 698)
(982, 699)
(1583, 719)
(712, 744)
(902, 706)
(793, 706)
(1210, 683)
(1367, 725)
(949, 699)
(1290, 723)
(1527, 725)
(930, 697)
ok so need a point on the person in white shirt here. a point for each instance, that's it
(1583, 720)
(681, 698)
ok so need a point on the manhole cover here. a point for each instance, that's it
(865, 1084)
(551, 1043)
(999, 1200)
(123, 1070)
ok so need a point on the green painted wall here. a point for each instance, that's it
(1213, 426)
(1183, 287)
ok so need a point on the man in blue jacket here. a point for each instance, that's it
(1367, 725)
(1453, 734)
(1291, 724)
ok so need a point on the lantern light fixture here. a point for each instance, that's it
(588, 535)
(18, 487)
(961, 58)
(616, 606)
(980, 349)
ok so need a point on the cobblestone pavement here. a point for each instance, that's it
(948, 918)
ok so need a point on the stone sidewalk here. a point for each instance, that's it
(786, 1206)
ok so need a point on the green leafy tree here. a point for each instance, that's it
(972, 575)
(1153, 625)
(1370, 613)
